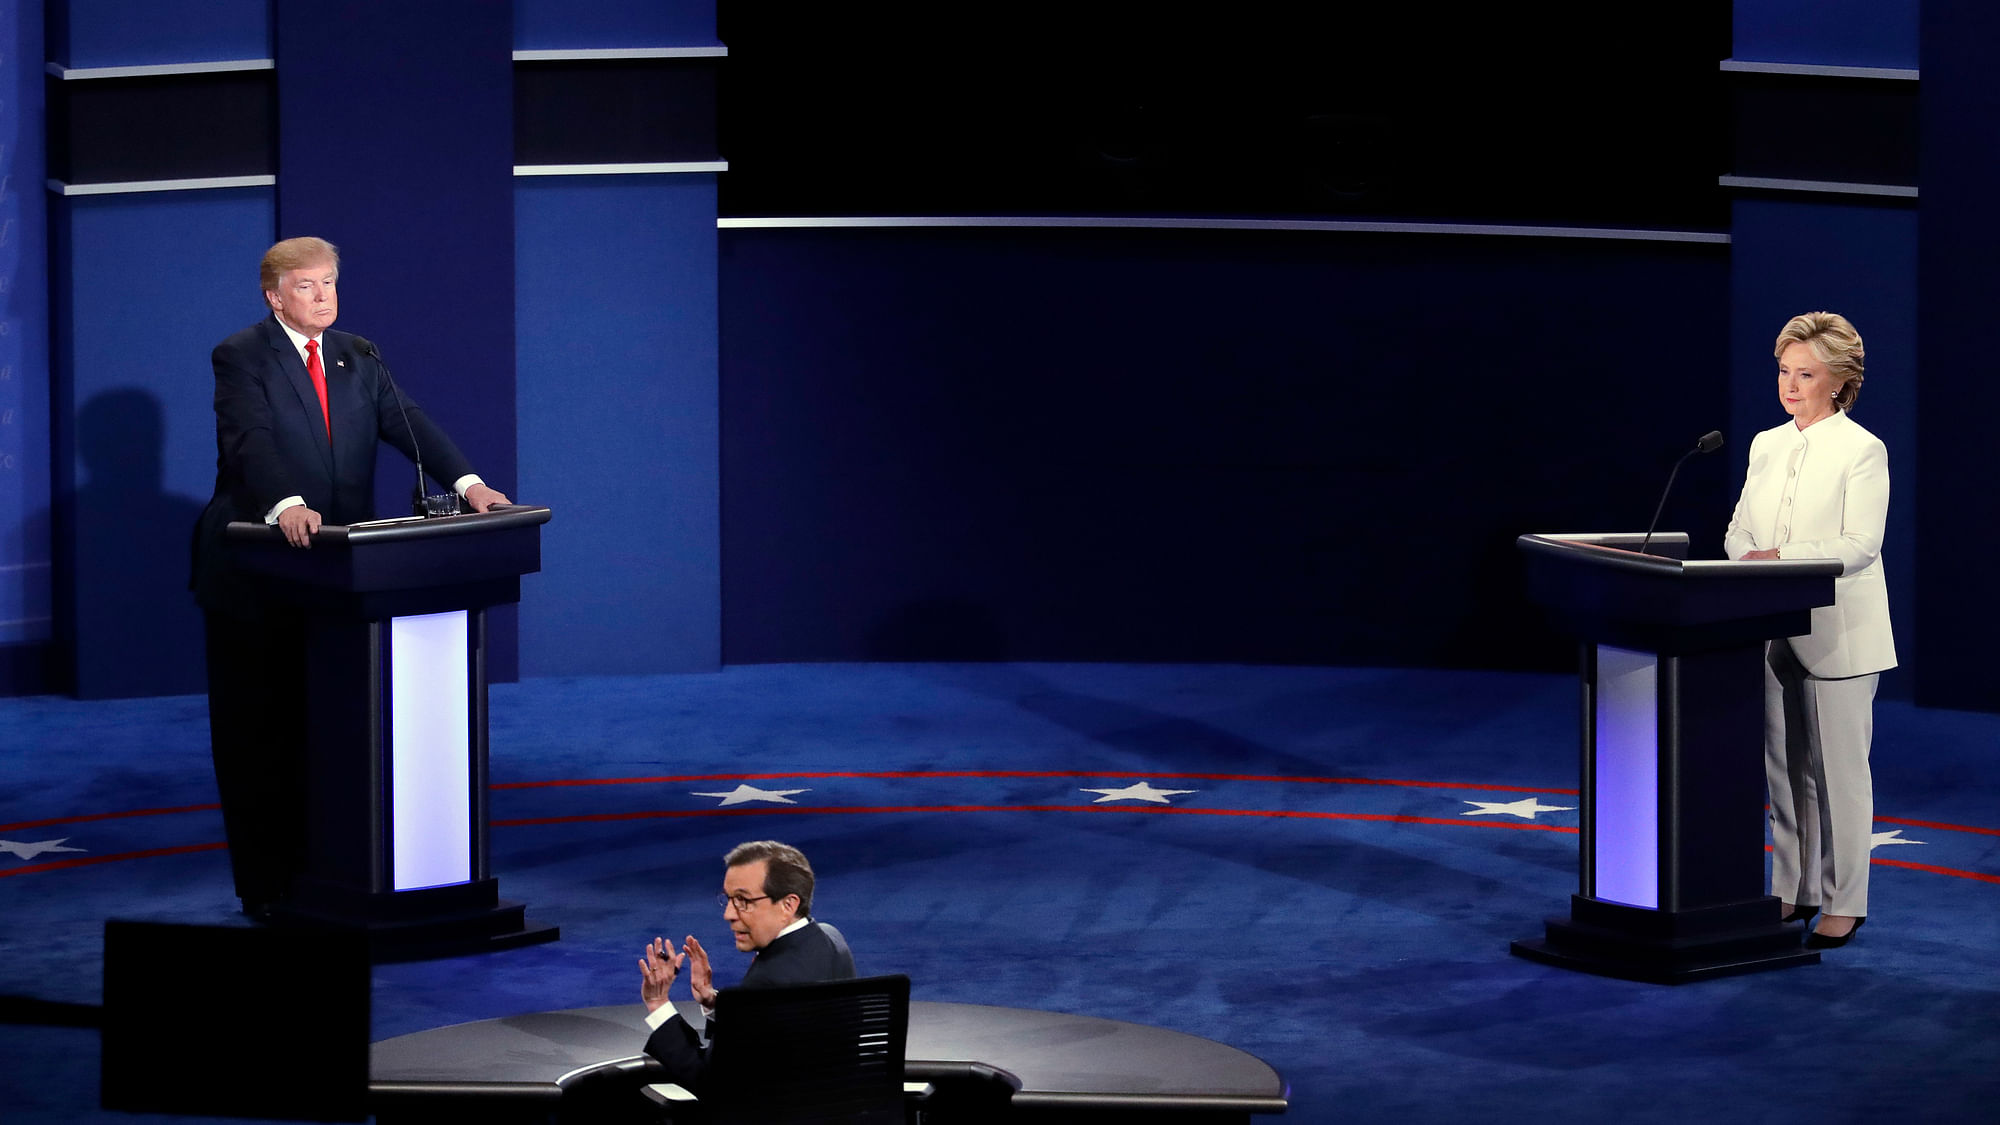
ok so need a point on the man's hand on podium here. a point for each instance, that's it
(482, 497)
(299, 523)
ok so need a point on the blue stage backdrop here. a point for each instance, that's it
(396, 143)
(1959, 269)
(1156, 445)
(618, 362)
(25, 600)
(84, 33)
(542, 25)
(1876, 33)
(135, 430)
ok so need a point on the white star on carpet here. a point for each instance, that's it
(743, 794)
(1525, 808)
(1139, 791)
(1892, 836)
(31, 850)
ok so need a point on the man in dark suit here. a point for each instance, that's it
(299, 411)
(767, 890)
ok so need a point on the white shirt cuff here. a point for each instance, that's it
(288, 502)
(465, 482)
(660, 1015)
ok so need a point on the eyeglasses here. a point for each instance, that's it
(740, 902)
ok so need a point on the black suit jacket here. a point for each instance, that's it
(810, 954)
(271, 442)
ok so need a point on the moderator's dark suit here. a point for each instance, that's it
(271, 443)
(808, 955)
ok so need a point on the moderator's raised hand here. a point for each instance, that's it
(657, 970)
(701, 977)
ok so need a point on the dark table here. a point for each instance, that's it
(1059, 1066)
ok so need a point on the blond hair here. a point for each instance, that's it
(1835, 343)
(295, 254)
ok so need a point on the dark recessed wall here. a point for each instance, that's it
(1571, 113)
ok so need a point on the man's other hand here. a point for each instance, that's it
(299, 523)
(657, 971)
(482, 497)
(701, 978)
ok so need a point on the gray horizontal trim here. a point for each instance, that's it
(1332, 226)
(133, 186)
(670, 168)
(1816, 70)
(1765, 183)
(587, 53)
(156, 70)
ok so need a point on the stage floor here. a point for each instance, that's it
(1321, 866)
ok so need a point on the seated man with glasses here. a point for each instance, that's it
(767, 890)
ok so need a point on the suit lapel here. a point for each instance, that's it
(302, 388)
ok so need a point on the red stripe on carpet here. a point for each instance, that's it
(1277, 814)
(103, 816)
(908, 774)
(1936, 870)
(1938, 825)
(86, 861)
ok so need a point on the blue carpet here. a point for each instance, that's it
(1327, 892)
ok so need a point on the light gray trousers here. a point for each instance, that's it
(1817, 735)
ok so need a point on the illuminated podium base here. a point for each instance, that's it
(414, 925)
(1671, 834)
(396, 756)
(1636, 943)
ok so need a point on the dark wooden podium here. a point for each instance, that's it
(396, 832)
(1671, 856)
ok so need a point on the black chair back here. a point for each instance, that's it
(828, 1052)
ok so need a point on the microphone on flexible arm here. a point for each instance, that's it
(367, 347)
(1709, 443)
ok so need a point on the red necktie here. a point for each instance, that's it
(318, 373)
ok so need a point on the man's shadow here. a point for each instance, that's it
(126, 624)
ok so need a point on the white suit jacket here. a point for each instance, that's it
(1823, 493)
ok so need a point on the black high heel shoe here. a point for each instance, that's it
(1817, 940)
(1800, 914)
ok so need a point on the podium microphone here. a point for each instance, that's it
(417, 507)
(1709, 443)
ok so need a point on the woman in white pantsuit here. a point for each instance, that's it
(1818, 488)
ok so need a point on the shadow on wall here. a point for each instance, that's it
(127, 625)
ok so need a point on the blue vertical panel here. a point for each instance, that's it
(1880, 33)
(24, 356)
(152, 283)
(1960, 264)
(1859, 260)
(396, 142)
(618, 422)
(85, 33)
(555, 24)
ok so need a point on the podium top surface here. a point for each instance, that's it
(404, 529)
(1619, 551)
(459, 561)
(1605, 591)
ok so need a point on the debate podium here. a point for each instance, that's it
(1671, 854)
(397, 821)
